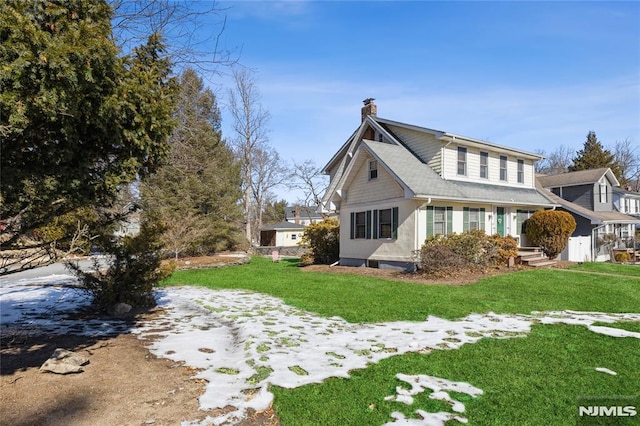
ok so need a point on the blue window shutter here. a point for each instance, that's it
(465, 218)
(353, 225)
(376, 224)
(482, 219)
(449, 220)
(368, 225)
(429, 221)
(394, 223)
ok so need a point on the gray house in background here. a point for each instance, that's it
(588, 196)
(627, 202)
(305, 215)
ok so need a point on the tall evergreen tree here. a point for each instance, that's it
(594, 156)
(78, 122)
(196, 192)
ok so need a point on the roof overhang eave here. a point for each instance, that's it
(484, 201)
(450, 137)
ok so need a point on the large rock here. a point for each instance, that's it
(119, 309)
(64, 362)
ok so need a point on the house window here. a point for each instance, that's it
(473, 219)
(360, 225)
(627, 208)
(439, 220)
(503, 167)
(386, 223)
(520, 171)
(294, 236)
(603, 193)
(375, 224)
(484, 165)
(373, 169)
(462, 161)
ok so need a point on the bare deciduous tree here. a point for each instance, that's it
(191, 30)
(627, 156)
(250, 122)
(556, 162)
(268, 172)
(308, 178)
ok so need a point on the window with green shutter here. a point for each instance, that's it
(439, 220)
(473, 218)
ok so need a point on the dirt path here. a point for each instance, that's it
(122, 385)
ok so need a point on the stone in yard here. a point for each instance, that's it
(119, 309)
(64, 362)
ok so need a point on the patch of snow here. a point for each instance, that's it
(606, 370)
(613, 332)
(439, 387)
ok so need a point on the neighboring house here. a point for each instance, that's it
(627, 202)
(589, 196)
(395, 184)
(283, 234)
(305, 215)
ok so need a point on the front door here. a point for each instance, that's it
(500, 221)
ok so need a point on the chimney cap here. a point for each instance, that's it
(368, 101)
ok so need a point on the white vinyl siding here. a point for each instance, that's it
(474, 167)
(361, 189)
(424, 146)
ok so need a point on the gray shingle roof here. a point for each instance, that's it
(282, 226)
(424, 182)
(417, 176)
(598, 217)
(581, 177)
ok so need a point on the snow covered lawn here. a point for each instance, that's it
(243, 341)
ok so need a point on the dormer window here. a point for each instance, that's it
(603, 193)
(373, 170)
(462, 161)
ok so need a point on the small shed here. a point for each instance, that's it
(283, 234)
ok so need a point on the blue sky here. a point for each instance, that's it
(531, 75)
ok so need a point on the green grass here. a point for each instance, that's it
(365, 299)
(526, 381)
(609, 268)
(533, 380)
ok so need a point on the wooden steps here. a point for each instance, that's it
(533, 256)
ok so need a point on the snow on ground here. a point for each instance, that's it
(244, 341)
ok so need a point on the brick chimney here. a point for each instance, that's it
(297, 214)
(369, 108)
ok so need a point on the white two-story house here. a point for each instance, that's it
(395, 184)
